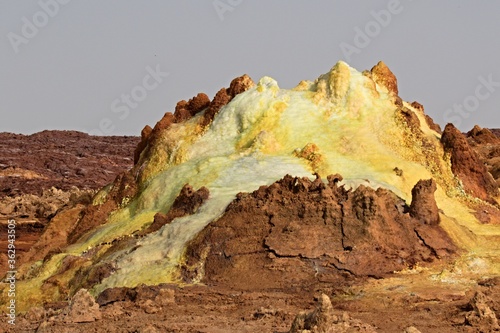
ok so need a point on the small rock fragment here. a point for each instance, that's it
(83, 308)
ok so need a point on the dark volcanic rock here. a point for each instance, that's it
(296, 232)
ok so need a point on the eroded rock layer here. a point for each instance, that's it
(296, 232)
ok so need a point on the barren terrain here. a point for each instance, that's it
(361, 301)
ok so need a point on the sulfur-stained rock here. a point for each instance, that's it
(383, 76)
(187, 202)
(224, 96)
(240, 84)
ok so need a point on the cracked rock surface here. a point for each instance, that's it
(296, 232)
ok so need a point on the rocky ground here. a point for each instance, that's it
(378, 306)
(31, 164)
(44, 172)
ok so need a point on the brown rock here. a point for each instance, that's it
(481, 315)
(220, 100)
(87, 277)
(151, 137)
(411, 329)
(324, 320)
(182, 104)
(430, 122)
(149, 306)
(432, 125)
(45, 327)
(186, 110)
(482, 136)
(224, 96)
(495, 131)
(187, 202)
(145, 135)
(486, 144)
(148, 329)
(32, 164)
(198, 103)
(182, 112)
(123, 190)
(55, 235)
(92, 216)
(112, 295)
(57, 282)
(36, 314)
(83, 308)
(159, 220)
(42, 207)
(466, 165)
(417, 106)
(164, 123)
(383, 76)
(165, 297)
(240, 84)
(423, 204)
(298, 232)
(411, 119)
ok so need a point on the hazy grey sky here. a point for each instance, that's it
(117, 65)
